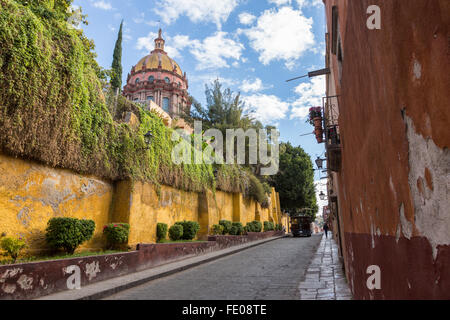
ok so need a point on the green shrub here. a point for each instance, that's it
(268, 226)
(68, 233)
(237, 229)
(254, 226)
(161, 231)
(116, 234)
(190, 229)
(226, 226)
(257, 192)
(279, 227)
(217, 230)
(12, 247)
(176, 232)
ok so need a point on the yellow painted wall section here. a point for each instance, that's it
(147, 209)
(31, 194)
(223, 204)
(248, 213)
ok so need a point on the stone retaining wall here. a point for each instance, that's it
(33, 280)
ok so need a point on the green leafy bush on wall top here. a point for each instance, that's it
(68, 233)
(226, 226)
(176, 232)
(12, 247)
(190, 229)
(161, 231)
(116, 234)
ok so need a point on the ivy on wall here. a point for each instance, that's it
(53, 108)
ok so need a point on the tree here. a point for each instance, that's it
(295, 181)
(224, 110)
(116, 76)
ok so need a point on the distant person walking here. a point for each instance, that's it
(325, 229)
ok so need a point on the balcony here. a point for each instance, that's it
(332, 133)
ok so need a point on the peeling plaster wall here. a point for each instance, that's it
(394, 183)
(31, 194)
(429, 180)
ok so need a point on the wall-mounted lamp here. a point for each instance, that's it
(322, 195)
(148, 137)
(319, 163)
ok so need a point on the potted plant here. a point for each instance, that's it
(315, 119)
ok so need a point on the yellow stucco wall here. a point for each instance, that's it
(146, 209)
(31, 194)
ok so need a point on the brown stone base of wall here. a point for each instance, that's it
(408, 269)
(33, 280)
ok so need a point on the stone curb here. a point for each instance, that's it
(112, 286)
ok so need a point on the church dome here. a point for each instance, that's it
(155, 59)
(158, 58)
(158, 80)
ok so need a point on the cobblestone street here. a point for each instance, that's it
(272, 271)
(325, 279)
(286, 269)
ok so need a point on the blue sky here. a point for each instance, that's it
(252, 46)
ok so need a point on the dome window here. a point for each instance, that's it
(151, 79)
(167, 80)
(166, 103)
(137, 80)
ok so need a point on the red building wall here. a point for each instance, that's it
(394, 120)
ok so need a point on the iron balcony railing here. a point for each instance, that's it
(332, 133)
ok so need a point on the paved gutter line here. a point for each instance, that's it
(112, 286)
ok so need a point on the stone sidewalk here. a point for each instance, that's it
(325, 278)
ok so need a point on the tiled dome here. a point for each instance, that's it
(153, 61)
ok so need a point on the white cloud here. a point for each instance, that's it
(142, 19)
(254, 85)
(281, 34)
(209, 78)
(215, 11)
(310, 95)
(311, 3)
(213, 52)
(103, 5)
(173, 44)
(300, 3)
(246, 18)
(281, 2)
(147, 42)
(266, 108)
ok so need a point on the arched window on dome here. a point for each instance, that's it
(137, 80)
(151, 79)
(166, 103)
(167, 80)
